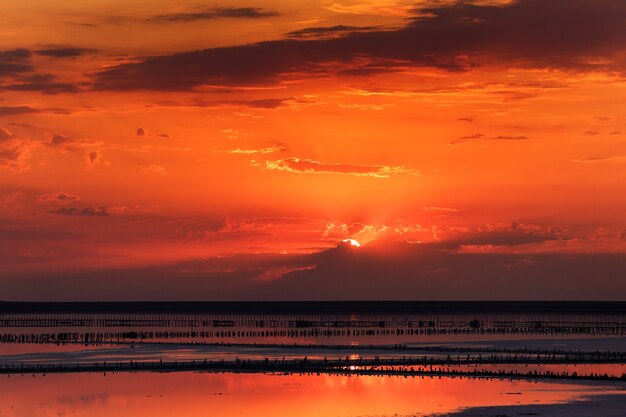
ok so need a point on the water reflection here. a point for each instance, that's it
(202, 394)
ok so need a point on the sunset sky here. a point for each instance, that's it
(190, 150)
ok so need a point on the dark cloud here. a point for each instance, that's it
(44, 83)
(64, 142)
(527, 33)
(14, 62)
(314, 32)
(92, 158)
(15, 65)
(601, 159)
(9, 111)
(216, 13)
(65, 52)
(481, 137)
(507, 235)
(142, 132)
(86, 211)
(508, 137)
(85, 24)
(29, 231)
(60, 140)
(17, 110)
(10, 68)
(472, 136)
(57, 198)
(268, 103)
(370, 66)
(15, 154)
(397, 271)
(43, 87)
(413, 271)
(15, 54)
(36, 78)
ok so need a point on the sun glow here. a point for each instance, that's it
(352, 242)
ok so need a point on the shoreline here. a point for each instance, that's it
(605, 405)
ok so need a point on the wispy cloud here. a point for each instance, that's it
(155, 169)
(14, 62)
(327, 31)
(266, 103)
(65, 52)
(15, 110)
(474, 31)
(215, 13)
(5, 134)
(599, 159)
(434, 209)
(63, 142)
(269, 149)
(481, 137)
(15, 154)
(309, 166)
(92, 158)
(86, 211)
(61, 198)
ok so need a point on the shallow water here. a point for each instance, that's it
(327, 329)
(88, 339)
(97, 338)
(202, 394)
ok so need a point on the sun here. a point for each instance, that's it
(352, 242)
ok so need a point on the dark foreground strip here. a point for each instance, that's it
(316, 307)
(290, 367)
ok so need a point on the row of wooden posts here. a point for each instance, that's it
(346, 366)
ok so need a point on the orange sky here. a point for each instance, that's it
(247, 139)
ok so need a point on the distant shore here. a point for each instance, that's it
(315, 307)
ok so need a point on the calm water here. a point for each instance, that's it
(528, 342)
(201, 394)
